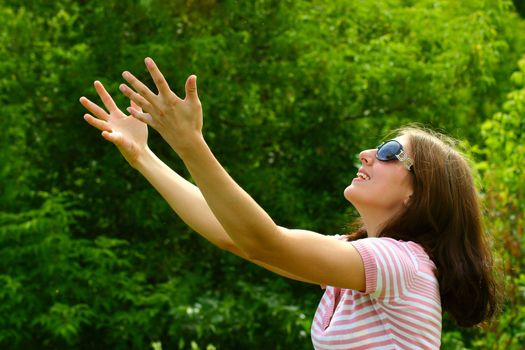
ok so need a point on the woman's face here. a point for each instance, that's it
(387, 186)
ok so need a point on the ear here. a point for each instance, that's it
(407, 200)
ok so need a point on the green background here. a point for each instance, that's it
(91, 257)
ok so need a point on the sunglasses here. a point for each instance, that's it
(393, 150)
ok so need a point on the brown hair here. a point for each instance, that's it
(444, 216)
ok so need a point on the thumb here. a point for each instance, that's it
(113, 137)
(191, 88)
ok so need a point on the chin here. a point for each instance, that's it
(348, 193)
(358, 198)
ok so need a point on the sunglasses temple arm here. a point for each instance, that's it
(403, 158)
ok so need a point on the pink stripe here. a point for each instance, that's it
(399, 282)
(392, 264)
(325, 301)
(373, 322)
(369, 265)
(357, 314)
(417, 317)
(402, 322)
(372, 344)
(360, 308)
(413, 303)
(366, 337)
(429, 293)
(386, 278)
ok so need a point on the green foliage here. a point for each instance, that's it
(62, 292)
(292, 90)
(504, 179)
(501, 158)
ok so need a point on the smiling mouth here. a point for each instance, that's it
(363, 176)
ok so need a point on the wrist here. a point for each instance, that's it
(144, 158)
(185, 147)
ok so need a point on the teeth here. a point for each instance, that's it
(363, 176)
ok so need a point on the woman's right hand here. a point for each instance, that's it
(129, 134)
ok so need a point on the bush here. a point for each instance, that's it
(292, 90)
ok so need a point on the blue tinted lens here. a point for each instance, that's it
(388, 150)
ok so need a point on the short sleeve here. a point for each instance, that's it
(390, 267)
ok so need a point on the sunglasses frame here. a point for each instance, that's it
(400, 155)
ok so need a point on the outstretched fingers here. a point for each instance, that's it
(136, 106)
(143, 117)
(105, 97)
(136, 98)
(158, 78)
(139, 87)
(100, 124)
(99, 112)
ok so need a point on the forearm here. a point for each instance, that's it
(247, 224)
(188, 202)
(184, 198)
(180, 121)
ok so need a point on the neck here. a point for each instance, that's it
(373, 221)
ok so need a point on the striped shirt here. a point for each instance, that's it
(400, 308)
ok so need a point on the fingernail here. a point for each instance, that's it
(147, 60)
(122, 87)
(128, 109)
(125, 74)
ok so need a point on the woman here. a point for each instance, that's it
(420, 251)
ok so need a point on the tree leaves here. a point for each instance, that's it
(91, 257)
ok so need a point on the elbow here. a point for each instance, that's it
(228, 246)
(255, 249)
(231, 247)
(253, 256)
(248, 253)
(256, 253)
(265, 248)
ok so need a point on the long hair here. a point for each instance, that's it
(444, 216)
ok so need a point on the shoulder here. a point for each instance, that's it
(384, 246)
(387, 259)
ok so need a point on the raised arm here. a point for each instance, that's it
(188, 202)
(305, 254)
(130, 137)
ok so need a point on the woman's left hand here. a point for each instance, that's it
(179, 121)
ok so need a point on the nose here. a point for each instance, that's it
(367, 156)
